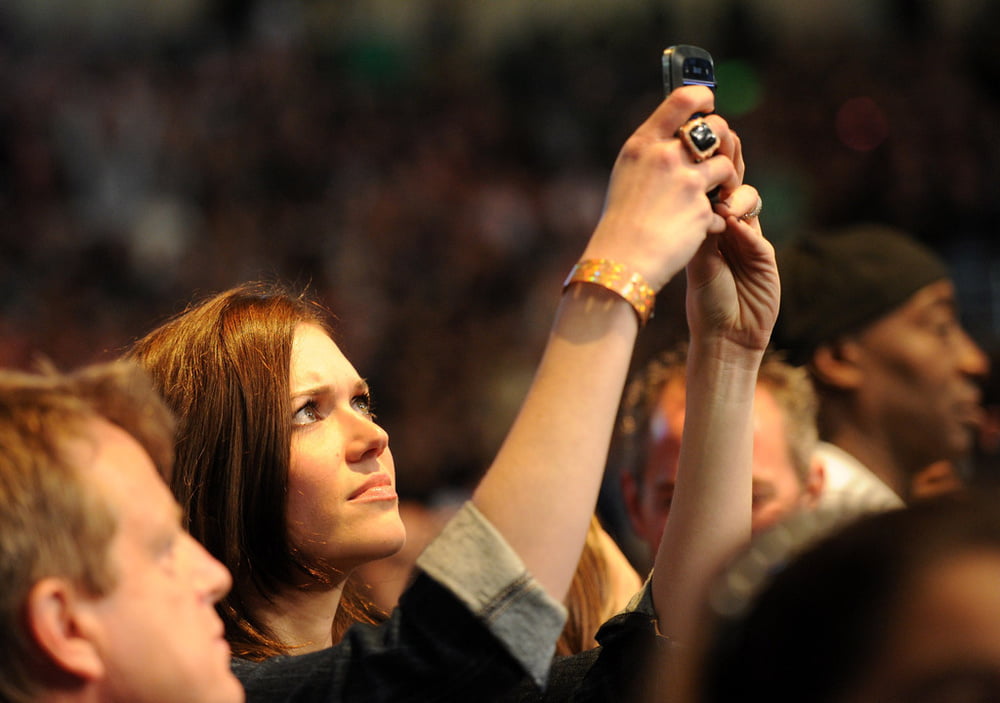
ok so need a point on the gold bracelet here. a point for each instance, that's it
(618, 279)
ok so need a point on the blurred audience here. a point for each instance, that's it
(133, 173)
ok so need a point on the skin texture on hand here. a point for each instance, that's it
(733, 286)
(732, 303)
(541, 490)
(656, 215)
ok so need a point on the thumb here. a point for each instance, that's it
(706, 262)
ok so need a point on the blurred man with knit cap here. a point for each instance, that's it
(873, 315)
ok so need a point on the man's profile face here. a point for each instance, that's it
(777, 488)
(919, 384)
(157, 631)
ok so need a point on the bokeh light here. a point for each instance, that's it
(861, 124)
(739, 87)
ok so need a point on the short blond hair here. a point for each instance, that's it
(790, 386)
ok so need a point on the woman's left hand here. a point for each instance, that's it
(733, 287)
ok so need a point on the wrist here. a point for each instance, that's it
(723, 352)
(588, 312)
(618, 278)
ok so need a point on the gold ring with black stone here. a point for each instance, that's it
(699, 139)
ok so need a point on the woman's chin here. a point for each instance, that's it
(375, 547)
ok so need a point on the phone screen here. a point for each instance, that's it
(687, 65)
(697, 71)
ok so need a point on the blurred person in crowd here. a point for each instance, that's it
(786, 474)
(873, 315)
(603, 585)
(106, 597)
(283, 473)
(898, 606)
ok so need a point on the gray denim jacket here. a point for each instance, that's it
(472, 625)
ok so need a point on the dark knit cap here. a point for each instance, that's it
(838, 282)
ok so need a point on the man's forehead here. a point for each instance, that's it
(120, 468)
(668, 415)
(938, 293)
(936, 296)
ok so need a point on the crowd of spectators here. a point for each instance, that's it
(435, 201)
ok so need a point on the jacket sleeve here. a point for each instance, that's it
(471, 626)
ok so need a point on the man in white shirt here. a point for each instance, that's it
(873, 315)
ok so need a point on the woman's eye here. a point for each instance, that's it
(363, 404)
(307, 414)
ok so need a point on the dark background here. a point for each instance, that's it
(431, 169)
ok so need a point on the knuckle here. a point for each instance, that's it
(634, 147)
(690, 179)
(672, 155)
(661, 155)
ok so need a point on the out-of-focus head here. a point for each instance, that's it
(874, 316)
(785, 476)
(105, 596)
(836, 283)
(899, 606)
(266, 402)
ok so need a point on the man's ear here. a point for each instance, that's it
(58, 618)
(836, 364)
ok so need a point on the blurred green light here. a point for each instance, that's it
(739, 88)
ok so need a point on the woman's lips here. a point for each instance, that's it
(378, 487)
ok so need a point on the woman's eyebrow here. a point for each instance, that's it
(321, 389)
(360, 387)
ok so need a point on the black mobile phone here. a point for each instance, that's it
(687, 65)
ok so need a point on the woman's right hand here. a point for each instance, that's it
(657, 214)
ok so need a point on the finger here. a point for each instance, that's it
(743, 228)
(740, 228)
(737, 157)
(704, 265)
(677, 109)
(728, 141)
(721, 173)
(705, 136)
(741, 203)
(718, 224)
(745, 234)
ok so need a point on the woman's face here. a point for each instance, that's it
(342, 503)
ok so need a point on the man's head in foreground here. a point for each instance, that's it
(105, 596)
